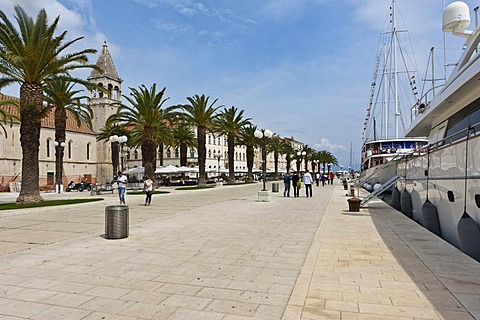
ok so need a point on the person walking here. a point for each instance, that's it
(286, 181)
(295, 181)
(323, 178)
(122, 186)
(332, 176)
(148, 187)
(307, 181)
(317, 178)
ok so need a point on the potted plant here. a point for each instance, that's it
(354, 204)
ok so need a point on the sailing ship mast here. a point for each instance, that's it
(389, 74)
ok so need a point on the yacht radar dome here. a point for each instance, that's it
(456, 17)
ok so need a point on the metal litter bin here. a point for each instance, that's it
(116, 222)
(275, 187)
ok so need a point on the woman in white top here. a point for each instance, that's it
(122, 186)
(148, 186)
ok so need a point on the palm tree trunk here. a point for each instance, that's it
(289, 162)
(160, 153)
(31, 113)
(231, 158)
(202, 155)
(148, 156)
(275, 158)
(183, 155)
(250, 156)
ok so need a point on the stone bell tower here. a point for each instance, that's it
(103, 105)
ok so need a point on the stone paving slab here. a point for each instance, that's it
(220, 254)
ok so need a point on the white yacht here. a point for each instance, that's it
(393, 91)
(440, 188)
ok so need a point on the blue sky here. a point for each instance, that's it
(300, 68)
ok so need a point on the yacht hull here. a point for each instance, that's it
(452, 184)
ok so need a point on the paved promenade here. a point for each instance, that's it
(220, 254)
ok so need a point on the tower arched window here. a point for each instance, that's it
(176, 153)
(192, 154)
(210, 153)
(209, 139)
(116, 93)
(88, 151)
(135, 154)
(169, 153)
(100, 92)
(110, 90)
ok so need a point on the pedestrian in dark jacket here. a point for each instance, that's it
(295, 180)
(286, 181)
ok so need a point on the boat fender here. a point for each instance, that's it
(377, 186)
(430, 218)
(395, 202)
(469, 235)
(406, 203)
(369, 187)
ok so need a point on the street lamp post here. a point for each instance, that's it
(59, 145)
(121, 141)
(301, 155)
(218, 157)
(316, 167)
(330, 181)
(264, 135)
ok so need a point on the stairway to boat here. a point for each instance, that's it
(387, 185)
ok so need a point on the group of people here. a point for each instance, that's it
(328, 177)
(306, 180)
(122, 182)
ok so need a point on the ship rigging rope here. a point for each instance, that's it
(372, 93)
(385, 51)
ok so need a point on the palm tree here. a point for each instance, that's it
(31, 57)
(248, 139)
(61, 95)
(144, 119)
(200, 114)
(110, 130)
(163, 137)
(326, 157)
(184, 138)
(308, 155)
(275, 145)
(230, 123)
(289, 152)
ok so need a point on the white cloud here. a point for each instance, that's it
(325, 144)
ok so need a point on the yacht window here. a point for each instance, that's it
(460, 121)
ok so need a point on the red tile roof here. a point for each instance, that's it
(49, 120)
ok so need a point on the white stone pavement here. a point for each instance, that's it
(220, 254)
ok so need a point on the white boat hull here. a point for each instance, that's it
(447, 190)
(380, 173)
